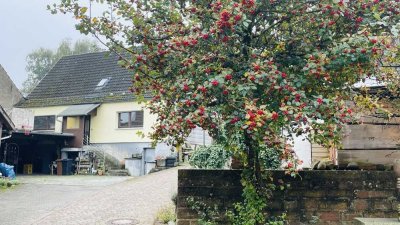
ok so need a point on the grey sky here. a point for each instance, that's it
(26, 25)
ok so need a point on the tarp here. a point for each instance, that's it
(7, 170)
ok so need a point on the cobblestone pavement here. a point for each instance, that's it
(137, 199)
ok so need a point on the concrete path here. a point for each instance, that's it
(69, 203)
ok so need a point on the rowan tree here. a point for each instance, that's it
(248, 69)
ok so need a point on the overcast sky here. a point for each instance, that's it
(26, 25)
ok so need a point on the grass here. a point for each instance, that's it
(7, 183)
(166, 214)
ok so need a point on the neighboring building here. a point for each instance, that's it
(6, 125)
(9, 93)
(9, 96)
(88, 96)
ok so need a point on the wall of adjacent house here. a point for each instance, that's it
(51, 111)
(9, 93)
(22, 118)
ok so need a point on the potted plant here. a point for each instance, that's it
(160, 161)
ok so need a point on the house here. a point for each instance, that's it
(88, 96)
(6, 125)
(9, 96)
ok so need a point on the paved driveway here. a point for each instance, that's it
(87, 200)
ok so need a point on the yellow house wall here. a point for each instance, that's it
(104, 123)
(51, 111)
(104, 126)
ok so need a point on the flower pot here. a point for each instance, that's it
(160, 162)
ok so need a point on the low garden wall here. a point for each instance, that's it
(318, 197)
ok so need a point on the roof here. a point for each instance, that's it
(79, 110)
(77, 79)
(5, 120)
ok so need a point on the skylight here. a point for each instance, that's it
(103, 82)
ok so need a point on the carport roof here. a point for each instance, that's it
(44, 133)
(79, 110)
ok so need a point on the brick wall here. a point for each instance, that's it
(319, 197)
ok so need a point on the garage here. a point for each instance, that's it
(33, 152)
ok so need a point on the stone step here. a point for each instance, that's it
(117, 173)
(376, 221)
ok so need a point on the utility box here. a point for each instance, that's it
(134, 166)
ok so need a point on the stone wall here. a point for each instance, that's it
(318, 197)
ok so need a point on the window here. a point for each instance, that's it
(130, 119)
(73, 122)
(44, 122)
(103, 82)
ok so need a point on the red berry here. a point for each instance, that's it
(238, 17)
(359, 19)
(214, 83)
(186, 87)
(274, 116)
(228, 77)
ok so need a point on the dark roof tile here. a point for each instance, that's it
(73, 80)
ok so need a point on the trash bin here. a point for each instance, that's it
(59, 167)
(64, 166)
(170, 161)
(67, 167)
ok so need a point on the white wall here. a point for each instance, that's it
(302, 147)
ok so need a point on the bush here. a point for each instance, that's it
(270, 158)
(7, 183)
(166, 214)
(209, 157)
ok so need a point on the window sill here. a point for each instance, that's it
(130, 128)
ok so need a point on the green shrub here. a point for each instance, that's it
(270, 158)
(6, 183)
(166, 214)
(209, 157)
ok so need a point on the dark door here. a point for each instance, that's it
(86, 131)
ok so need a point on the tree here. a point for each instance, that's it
(250, 68)
(40, 61)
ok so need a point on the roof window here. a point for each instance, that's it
(102, 83)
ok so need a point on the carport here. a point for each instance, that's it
(35, 150)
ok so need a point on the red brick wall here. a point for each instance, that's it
(318, 197)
